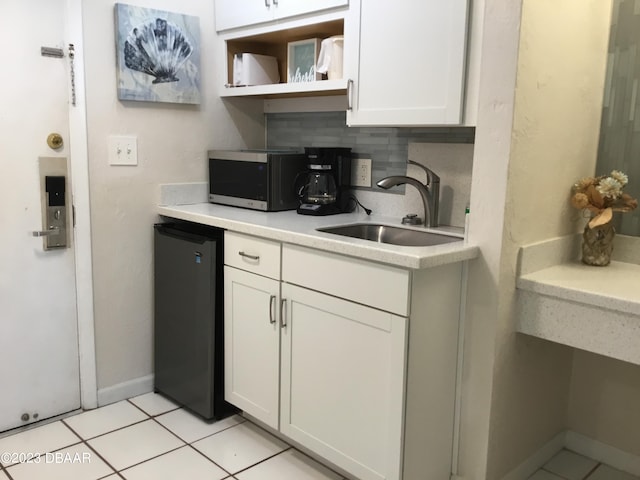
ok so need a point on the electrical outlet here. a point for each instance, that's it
(361, 172)
(123, 150)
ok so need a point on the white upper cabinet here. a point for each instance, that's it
(290, 8)
(242, 13)
(410, 58)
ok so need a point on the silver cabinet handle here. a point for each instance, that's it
(275, 2)
(267, 3)
(350, 94)
(250, 257)
(272, 300)
(283, 317)
(46, 233)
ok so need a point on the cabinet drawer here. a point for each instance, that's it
(252, 254)
(379, 286)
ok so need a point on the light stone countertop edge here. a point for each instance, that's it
(615, 287)
(596, 309)
(290, 227)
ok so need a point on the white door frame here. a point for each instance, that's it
(79, 160)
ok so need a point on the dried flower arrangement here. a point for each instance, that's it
(602, 196)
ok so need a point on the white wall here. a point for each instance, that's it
(605, 395)
(488, 193)
(537, 133)
(172, 144)
(554, 141)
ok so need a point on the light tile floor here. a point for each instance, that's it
(567, 465)
(150, 438)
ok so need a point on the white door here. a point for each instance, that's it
(39, 367)
(252, 344)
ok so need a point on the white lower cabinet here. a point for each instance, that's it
(370, 390)
(343, 381)
(252, 344)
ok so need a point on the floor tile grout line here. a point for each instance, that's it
(52, 451)
(118, 429)
(111, 431)
(178, 407)
(190, 444)
(592, 470)
(71, 430)
(219, 466)
(81, 442)
(139, 408)
(110, 474)
(289, 447)
(152, 458)
(9, 476)
(262, 461)
(86, 442)
(554, 473)
(115, 470)
(198, 439)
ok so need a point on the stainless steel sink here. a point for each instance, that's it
(392, 235)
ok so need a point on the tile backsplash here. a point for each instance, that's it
(388, 148)
(448, 151)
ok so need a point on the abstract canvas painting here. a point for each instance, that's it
(158, 55)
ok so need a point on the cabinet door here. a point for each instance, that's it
(410, 59)
(343, 374)
(289, 8)
(252, 344)
(243, 13)
(240, 13)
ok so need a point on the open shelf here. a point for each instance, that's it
(275, 44)
(280, 90)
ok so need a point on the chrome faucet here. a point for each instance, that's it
(429, 192)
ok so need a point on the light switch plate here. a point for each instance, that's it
(123, 150)
(361, 172)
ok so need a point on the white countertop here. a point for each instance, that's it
(596, 309)
(615, 287)
(291, 227)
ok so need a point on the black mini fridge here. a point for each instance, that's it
(188, 317)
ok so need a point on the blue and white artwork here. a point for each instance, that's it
(158, 55)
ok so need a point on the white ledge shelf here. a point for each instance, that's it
(596, 309)
(278, 90)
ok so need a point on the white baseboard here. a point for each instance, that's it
(602, 452)
(577, 443)
(122, 391)
(538, 459)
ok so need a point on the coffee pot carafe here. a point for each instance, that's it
(321, 187)
(323, 190)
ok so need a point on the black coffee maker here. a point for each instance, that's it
(324, 187)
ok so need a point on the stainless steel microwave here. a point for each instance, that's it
(257, 179)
